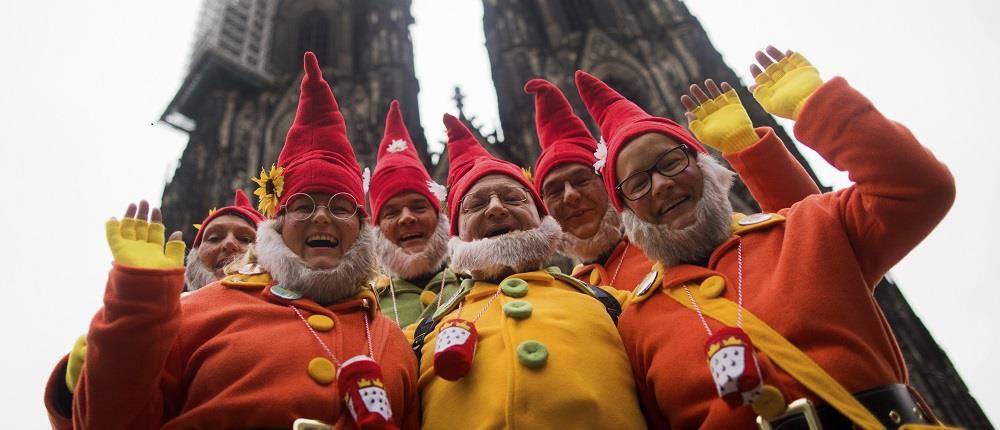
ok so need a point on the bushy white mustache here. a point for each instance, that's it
(509, 253)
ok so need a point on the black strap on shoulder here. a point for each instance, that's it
(610, 304)
(425, 328)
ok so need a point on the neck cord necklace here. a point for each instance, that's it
(731, 357)
(620, 263)
(329, 353)
(456, 343)
(395, 309)
(359, 380)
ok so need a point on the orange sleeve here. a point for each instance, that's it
(900, 190)
(774, 177)
(629, 326)
(123, 383)
(58, 399)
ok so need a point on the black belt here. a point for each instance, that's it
(893, 405)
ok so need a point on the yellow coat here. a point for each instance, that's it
(586, 381)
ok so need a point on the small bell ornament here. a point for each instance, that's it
(455, 347)
(360, 379)
(734, 367)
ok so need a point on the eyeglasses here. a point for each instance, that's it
(301, 206)
(555, 191)
(509, 196)
(669, 163)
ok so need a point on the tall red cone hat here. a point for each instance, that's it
(563, 136)
(398, 168)
(469, 162)
(621, 121)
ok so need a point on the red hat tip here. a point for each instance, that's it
(241, 199)
(311, 65)
(536, 85)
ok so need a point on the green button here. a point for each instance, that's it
(532, 354)
(514, 288)
(517, 309)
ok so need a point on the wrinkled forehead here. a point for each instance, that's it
(494, 183)
(229, 222)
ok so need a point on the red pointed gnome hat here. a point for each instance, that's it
(317, 157)
(469, 162)
(399, 168)
(620, 121)
(563, 136)
(241, 207)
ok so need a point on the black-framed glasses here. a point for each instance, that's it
(479, 201)
(669, 163)
(301, 206)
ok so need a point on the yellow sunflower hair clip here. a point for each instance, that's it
(270, 186)
(210, 212)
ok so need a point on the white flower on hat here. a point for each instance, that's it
(601, 154)
(397, 145)
(366, 179)
(438, 190)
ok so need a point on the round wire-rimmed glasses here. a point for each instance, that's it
(509, 196)
(669, 163)
(302, 206)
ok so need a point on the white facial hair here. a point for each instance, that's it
(588, 250)
(507, 254)
(324, 286)
(693, 244)
(197, 274)
(400, 263)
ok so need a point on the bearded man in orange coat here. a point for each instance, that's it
(769, 316)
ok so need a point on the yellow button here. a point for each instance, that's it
(322, 370)
(770, 403)
(712, 287)
(321, 322)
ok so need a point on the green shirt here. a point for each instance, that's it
(408, 307)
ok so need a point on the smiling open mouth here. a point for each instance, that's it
(408, 237)
(322, 241)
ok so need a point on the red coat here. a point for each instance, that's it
(811, 277)
(775, 179)
(227, 356)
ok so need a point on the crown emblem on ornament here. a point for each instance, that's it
(365, 383)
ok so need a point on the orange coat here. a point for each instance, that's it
(810, 276)
(775, 179)
(230, 355)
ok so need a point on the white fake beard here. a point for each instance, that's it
(588, 250)
(399, 263)
(693, 244)
(196, 273)
(507, 254)
(324, 286)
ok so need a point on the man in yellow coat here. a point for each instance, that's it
(518, 346)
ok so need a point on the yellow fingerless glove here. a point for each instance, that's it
(137, 243)
(723, 123)
(783, 88)
(74, 365)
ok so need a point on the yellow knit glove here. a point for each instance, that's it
(135, 242)
(75, 363)
(723, 123)
(783, 88)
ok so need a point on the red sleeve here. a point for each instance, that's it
(124, 383)
(900, 190)
(628, 325)
(774, 177)
(58, 398)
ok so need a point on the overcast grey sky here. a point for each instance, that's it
(83, 83)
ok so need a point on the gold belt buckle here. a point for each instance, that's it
(799, 406)
(305, 424)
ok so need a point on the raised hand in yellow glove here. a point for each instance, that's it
(136, 242)
(718, 119)
(785, 83)
(74, 365)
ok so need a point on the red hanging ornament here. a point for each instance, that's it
(360, 379)
(455, 347)
(734, 367)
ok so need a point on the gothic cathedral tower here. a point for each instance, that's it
(650, 51)
(241, 91)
